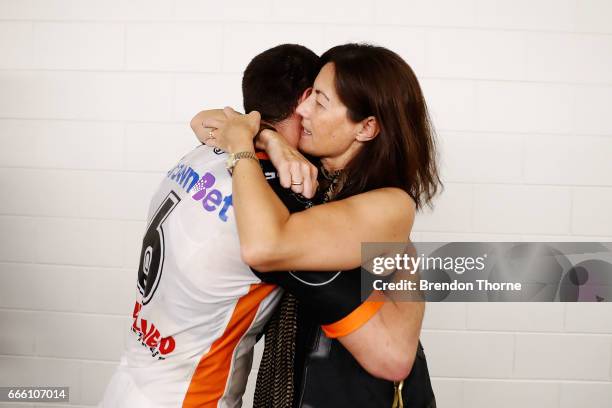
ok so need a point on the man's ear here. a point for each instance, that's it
(305, 95)
(368, 129)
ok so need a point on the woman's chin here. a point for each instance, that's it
(305, 143)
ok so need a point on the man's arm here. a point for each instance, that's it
(386, 345)
(381, 333)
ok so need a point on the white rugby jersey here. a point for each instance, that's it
(199, 307)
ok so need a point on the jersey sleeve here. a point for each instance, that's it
(354, 320)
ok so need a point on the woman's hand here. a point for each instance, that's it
(234, 133)
(197, 123)
(294, 170)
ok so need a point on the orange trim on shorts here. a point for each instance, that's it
(355, 319)
(210, 377)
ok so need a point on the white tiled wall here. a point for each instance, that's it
(95, 99)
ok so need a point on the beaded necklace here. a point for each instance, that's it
(335, 179)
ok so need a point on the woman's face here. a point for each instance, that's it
(327, 133)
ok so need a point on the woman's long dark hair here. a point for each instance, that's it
(374, 81)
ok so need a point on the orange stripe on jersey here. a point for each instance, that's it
(355, 319)
(210, 378)
(262, 155)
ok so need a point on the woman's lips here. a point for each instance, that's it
(305, 130)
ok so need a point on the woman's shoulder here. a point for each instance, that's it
(385, 205)
(387, 197)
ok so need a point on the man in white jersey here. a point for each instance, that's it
(199, 308)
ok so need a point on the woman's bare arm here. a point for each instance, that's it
(324, 237)
(197, 123)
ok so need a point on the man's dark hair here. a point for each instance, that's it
(275, 79)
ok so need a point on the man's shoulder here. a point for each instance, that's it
(203, 152)
(204, 158)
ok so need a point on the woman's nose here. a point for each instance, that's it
(303, 108)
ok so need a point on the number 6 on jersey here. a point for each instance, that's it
(152, 254)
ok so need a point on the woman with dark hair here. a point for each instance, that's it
(367, 121)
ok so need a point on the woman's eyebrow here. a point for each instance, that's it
(319, 92)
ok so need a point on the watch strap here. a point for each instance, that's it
(235, 157)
